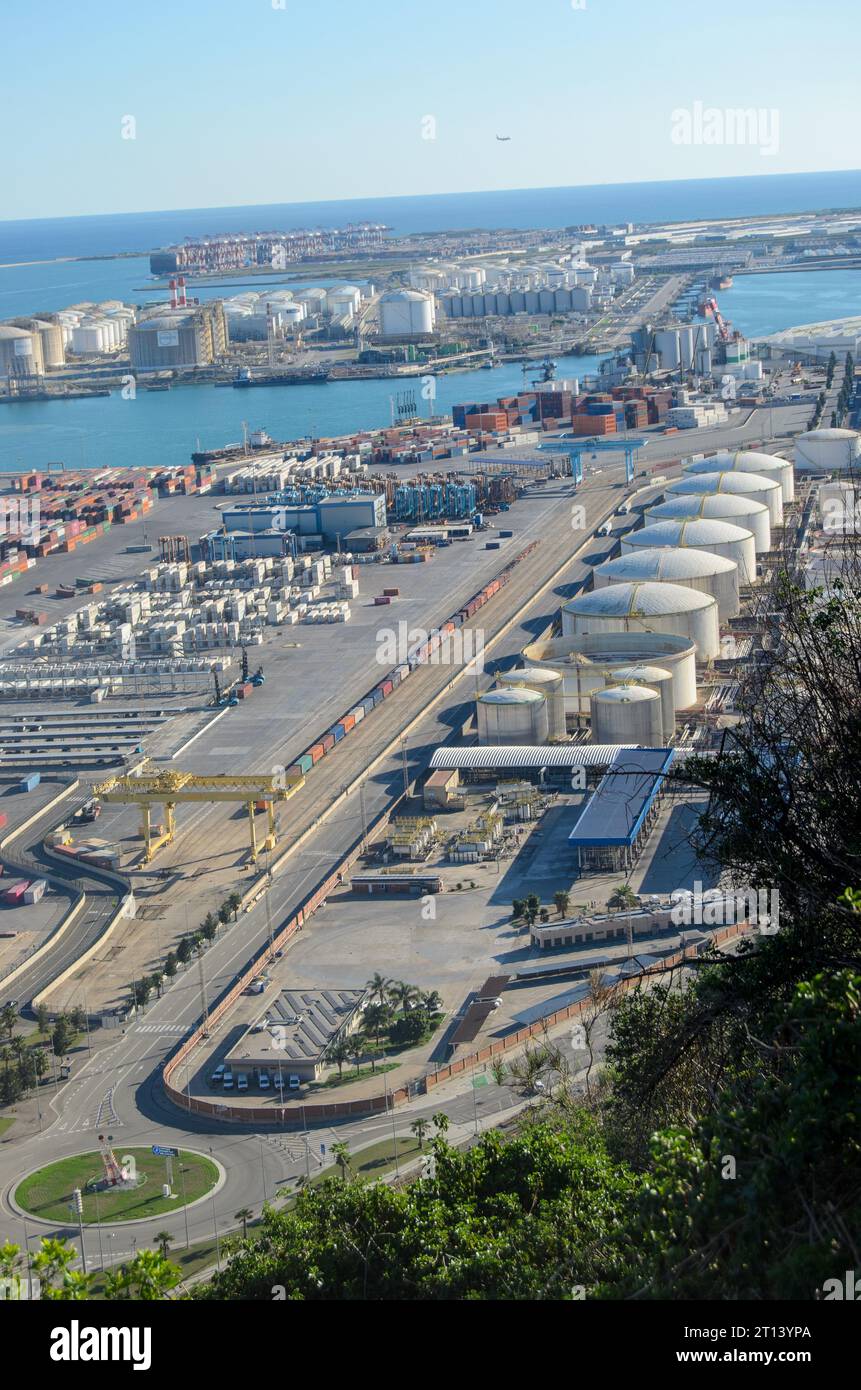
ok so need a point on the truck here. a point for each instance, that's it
(90, 811)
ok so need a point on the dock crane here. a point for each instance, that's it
(169, 788)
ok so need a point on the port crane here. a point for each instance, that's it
(169, 788)
(723, 331)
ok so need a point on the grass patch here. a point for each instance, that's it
(47, 1193)
(6, 1123)
(352, 1075)
(377, 1160)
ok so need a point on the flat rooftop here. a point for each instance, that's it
(299, 1025)
(621, 801)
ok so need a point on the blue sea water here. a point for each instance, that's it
(164, 427)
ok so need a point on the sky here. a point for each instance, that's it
(268, 101)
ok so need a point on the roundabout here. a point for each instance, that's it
(132, 1188)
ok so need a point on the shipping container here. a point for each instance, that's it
(357, 714)
(327, 742)
(303, 764)
(316, 753)
(14, 893)
(348, 722)
(337, 731)
(387, 687)
(244, 690)
(35, 891)
(30, 782)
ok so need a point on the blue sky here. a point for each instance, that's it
(241, 101)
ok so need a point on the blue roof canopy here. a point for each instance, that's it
(620, 803)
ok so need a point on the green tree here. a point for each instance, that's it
(43, 1018)
(420, 1128)
(184, 951)
(379, 987)
(53, 1267)
(170, 966)
(622, 899)
(561, 901)
(224, 914)
(8, 1019)
(244, 1215)
(341, 1152)
(339, 1053)
(209, 927)
(62, 1036)
(164, 1240)
(234, 902)
(149, 1277)
(402, 995)
(375, 1018)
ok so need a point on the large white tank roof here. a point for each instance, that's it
(665, 565)
(699, 531)
(645, 600)
(726, 482)
(625, 695)
(508, 696)
(531, 675)
(704, 505)
(400, 296)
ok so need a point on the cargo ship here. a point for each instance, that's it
(311, 378)
(721, 282)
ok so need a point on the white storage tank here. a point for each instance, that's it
(711, 537)
(587, 663)
(696, 569)
(656, 678)
(740, 511)
(747, 485)
(747, 461)
(828, 451)
(549, 684)
(628, 714)
(667, 344)
(406, 314)
(646, 608)
(512, 716)
(686, 347)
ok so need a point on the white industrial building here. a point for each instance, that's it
(406, 314)
(549, 684)
(589, 663)
(740, 511)
(747, 485)
(709, 536)
(828, 451)
(633, 712)
(696, 569)
(646, 607)
(746, 461)
(510, 715)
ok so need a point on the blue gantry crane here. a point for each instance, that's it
(576, 448)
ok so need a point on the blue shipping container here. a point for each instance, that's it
(338, 731)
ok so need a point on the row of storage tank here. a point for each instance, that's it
(629, 647)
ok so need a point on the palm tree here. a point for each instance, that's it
(375, 1018)
(356, 1045)
(420, 1128)
(379, 987)
(561, 900)
(342, 1158)
(440, 1122)
(518, 907)
(403, 994)
(164, 1240)
(234, 902)
(498, 1070)
(244, 1215)
(8, 1019)
(432, 1001)
(340, 1052)
(622, 898)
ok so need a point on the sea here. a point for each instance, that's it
(49, 263)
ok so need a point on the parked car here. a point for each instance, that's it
(227, 1083)
(218, 1075)
(241, 1081)
(263, 1079)
(293, 1082)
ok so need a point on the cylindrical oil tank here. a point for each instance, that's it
(646, 608)
(766, 490)
(686, 347)
(747, 461)
(657, 678)
(585, 663)
(406, 314)
(713, 537)
(549, 684)
(740, 511)
(828, 451)
(512, 716)
(667, 344)
(628, 714)
(696, 569)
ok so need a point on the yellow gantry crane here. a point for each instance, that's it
(167, 788)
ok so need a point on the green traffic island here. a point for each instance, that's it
(130, 1192)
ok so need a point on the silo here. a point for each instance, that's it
(686, 347)
(753, 485)
(407, 314)
(747, 461)
(646, 608)
(547, 683)
(828, 451)
(512, 716)
(714, 537)
(628, 714)
(751, 516)
(667, 344)
(696, 569)
(586, 663)
(657, 678)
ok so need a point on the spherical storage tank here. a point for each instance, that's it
(589, 663)
(740, 511)
(549, 684)
(627, 714)
(512, 716)
(827, 451)
(747, 461)
(747, 485)
(406, 314)
(712, 537)
(646, 608)
(696, 569)
(655, 678)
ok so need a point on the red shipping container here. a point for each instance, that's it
(317, 752)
